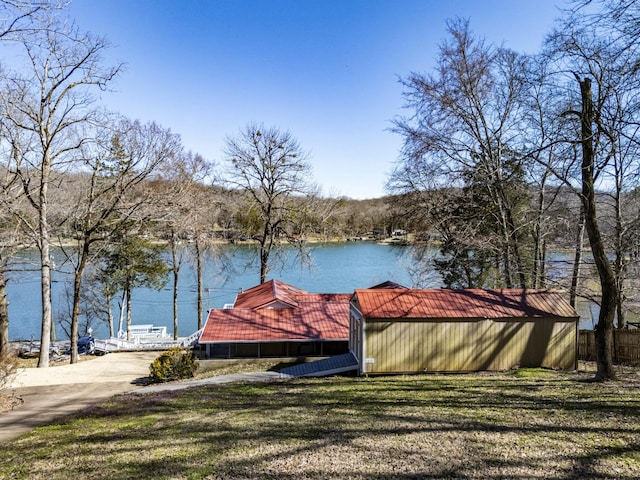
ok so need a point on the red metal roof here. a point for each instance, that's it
(268, 294)
(316, 317)
(472, 303)
(388, 284)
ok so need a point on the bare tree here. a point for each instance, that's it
(271, 167)
(608, 284)
(45, 105)
(617, 25)
(323, 217)
(184, 208)
(206, 205)
(18, 19)
(541, 127)
(107, 196)
(466, 115)
(22, 18)
(12, 238)
(600, 74)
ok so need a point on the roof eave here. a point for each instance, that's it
(281, 340)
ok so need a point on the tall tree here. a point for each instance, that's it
(540, 128)
(45, 105)
(207, 207)
(272, 169)
(12, 238)
(465, 116)
(618, 23)
(601, 75)
(182, 213)
(608, 284)
(107, 195)
(204, 205)
(18, 20)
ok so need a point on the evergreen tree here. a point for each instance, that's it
(135, 262)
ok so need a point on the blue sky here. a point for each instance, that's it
(325, 70)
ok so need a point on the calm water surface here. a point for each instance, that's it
(333, 268)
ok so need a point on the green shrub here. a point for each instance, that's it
(173, 364)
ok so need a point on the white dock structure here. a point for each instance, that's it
(145, 337)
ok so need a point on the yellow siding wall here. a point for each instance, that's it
(448, 346)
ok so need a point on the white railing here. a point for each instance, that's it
(140, 342)
(192, 340)
(147, 331)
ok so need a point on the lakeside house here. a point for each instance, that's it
(391, 329)
(275, 319)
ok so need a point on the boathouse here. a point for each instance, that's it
(409, 331)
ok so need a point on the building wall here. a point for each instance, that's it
(461, 345)
(356, 336)
(276, 349)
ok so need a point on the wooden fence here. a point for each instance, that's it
(626, 346)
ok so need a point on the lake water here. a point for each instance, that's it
(334, 268)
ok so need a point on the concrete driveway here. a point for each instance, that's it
(50, 393)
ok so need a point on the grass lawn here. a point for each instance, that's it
(521, 424)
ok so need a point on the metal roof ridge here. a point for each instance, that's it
(278, 285)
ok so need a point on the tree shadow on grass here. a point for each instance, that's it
(400, 427)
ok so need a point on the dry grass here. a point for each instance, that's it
(9, 400)
(212, 368)
(524, 424)
(8, 367)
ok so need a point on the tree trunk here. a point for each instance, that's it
(122, 311)
(512, 238)
(4, 314)
(199, 278)
(75, 312)
(506, 260)
(265, 247)
(510, 247)
(577, 260)
(619, 265)
(264, 261)
(609, 300)
(45, 264)
(175, 267)
(538, 247)
(128, 295)
(543, 269)
(110, 316)
(622, 322)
